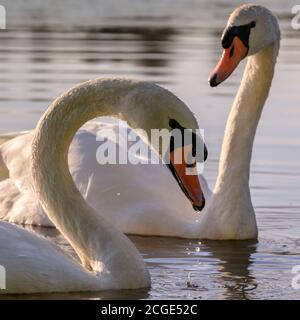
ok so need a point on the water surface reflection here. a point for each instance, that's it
(174, 43)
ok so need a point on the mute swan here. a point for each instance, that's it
(132, 193)
(108, 258)
(251, 31)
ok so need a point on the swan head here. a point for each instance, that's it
(172, 130)
(185, 149)
(182, 158)
(250, 29)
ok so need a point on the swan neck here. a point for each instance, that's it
(98, 244)
(243, 119)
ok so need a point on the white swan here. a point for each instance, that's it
(135, 195)
(108, 259)
(251, 30)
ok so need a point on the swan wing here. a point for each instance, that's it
(140, 198)
(33, 264)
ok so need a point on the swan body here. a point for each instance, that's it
(108, 259)
(134, 196)
(229, 212)
(33, 264)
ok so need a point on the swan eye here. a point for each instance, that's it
(196, 141)
(242, 31)
(192, 165)
(191, 161)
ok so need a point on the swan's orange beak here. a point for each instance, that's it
(187, 176)
(230, 59)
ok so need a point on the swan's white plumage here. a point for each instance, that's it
(98, 243)
(52, 270)
(34, 264)
(139, 199)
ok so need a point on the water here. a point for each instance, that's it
(49, 47)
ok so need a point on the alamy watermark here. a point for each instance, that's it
(296, 279)
(2, 278)
(176, 146)
(295, 23)
(2, 17)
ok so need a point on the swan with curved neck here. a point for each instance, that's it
(53, 183)
(251, 31)
(108, 258)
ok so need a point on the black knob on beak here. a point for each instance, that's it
(213, 80)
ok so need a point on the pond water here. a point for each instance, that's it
(50, 46)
